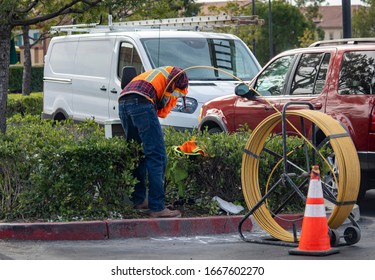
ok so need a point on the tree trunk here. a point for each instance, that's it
(5, 37)
(26, 77)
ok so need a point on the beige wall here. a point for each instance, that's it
(37, 56)
(333, 33)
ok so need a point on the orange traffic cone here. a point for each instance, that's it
(314, 239)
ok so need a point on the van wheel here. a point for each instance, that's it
(59, 118)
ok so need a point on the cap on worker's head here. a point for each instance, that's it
(179, 79)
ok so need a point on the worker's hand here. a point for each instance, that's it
(163, 102)
(163, 112)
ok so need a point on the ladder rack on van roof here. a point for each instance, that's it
(184, 23)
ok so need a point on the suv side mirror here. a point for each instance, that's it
(128, 73)
(243, 90)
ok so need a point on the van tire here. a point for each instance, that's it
(59, 117)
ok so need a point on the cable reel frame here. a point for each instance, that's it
(343, 149)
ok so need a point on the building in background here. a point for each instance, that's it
(205, 11)
(331, 21)
(37, 51)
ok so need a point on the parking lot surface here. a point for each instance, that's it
(198, 247)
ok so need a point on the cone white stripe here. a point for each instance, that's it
(315, 210)
(315, 189)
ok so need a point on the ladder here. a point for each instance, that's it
(184, 23)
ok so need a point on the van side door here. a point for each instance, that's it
(125, 54)
(91, 80)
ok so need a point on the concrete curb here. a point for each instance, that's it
(96, 230)
(133, 228)
(117, 229)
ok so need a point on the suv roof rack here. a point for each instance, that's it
(348, 41)
(184, 23)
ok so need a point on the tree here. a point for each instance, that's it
(26, 76)
(166, 9)
(363, 20)
(120, 9)
(126, 10)
(15, 13)
(288, 25)
(27, 64)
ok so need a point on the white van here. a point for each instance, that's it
(83, 72)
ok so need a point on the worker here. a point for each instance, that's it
(148, 96)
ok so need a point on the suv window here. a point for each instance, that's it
(271, 81)
(357, 73)
(311, 74)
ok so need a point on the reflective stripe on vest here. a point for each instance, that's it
(153, 74)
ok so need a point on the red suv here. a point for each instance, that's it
(337, 77)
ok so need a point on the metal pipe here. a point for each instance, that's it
(253, 13)
(346, 19)
(270, 28)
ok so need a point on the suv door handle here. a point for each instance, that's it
(114, 90)
(268, 107)
(103, 88)
(318, 105)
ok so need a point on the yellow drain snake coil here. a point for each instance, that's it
(346, 158)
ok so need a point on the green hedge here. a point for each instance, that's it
(64, 172)
(197, 179)
(67, 171)
(25, 105)
(58, 172)
(15, 78)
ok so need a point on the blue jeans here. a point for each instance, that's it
(142, 125)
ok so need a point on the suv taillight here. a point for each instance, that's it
(372, 120)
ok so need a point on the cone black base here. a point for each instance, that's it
(313, 253)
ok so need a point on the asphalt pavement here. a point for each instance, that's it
(168, 240)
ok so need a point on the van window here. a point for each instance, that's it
(357, 73)
(229, 56)
(63, 57)
(90, 61)
(129, 57)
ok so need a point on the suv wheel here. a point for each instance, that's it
(214, 130)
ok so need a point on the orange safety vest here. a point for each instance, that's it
(158, 78)
(189, 148)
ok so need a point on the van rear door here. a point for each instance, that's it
(91, 80)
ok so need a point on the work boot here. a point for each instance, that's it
(143, 206)
(166, 213)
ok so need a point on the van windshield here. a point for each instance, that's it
(224, 58)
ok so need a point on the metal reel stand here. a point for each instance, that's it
(351, 235)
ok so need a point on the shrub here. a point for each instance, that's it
(64, 171)
(15, 78)
(71, 171)
(198, 179)
(25, 105)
